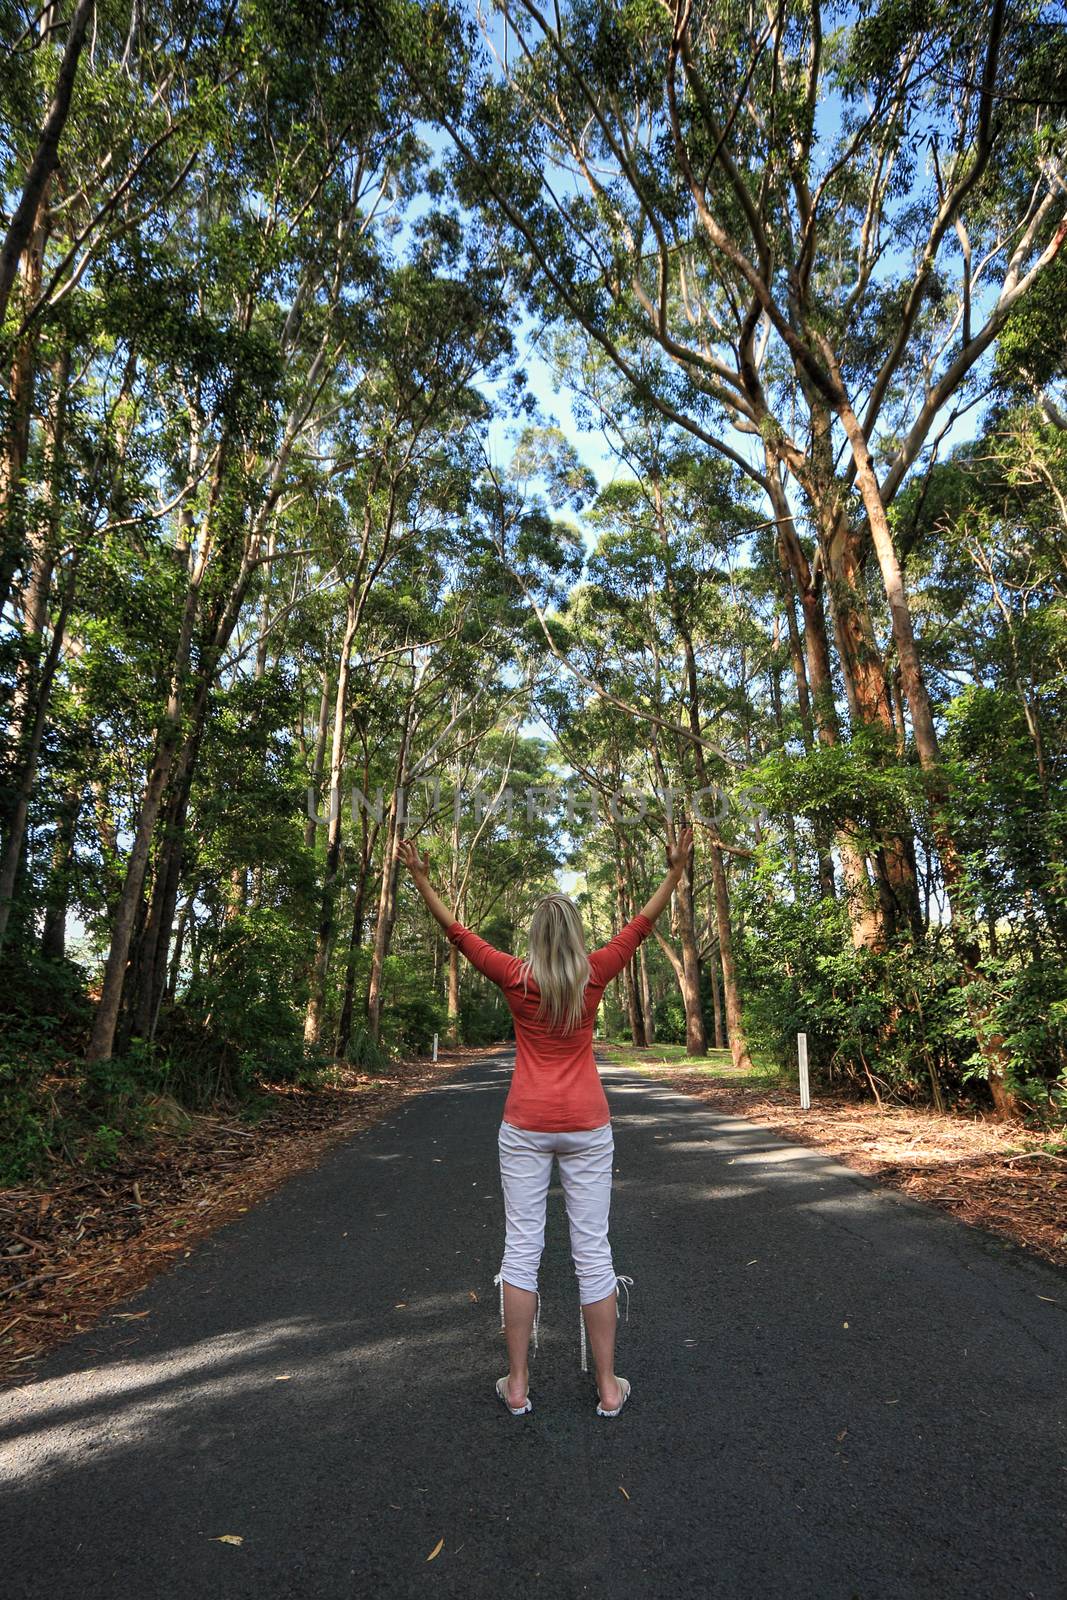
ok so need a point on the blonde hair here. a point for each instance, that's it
(558, 962)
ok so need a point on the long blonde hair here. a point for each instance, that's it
(558, 962)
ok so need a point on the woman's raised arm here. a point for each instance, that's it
(679, 860)
(419, 867)
(497, 965)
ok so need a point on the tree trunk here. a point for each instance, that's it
(57, 894)
(32, 685)
(646, 996)
(44, 160)
(317, 998)
(735, 1029)
(864, 916)
(107, 1013)
(775, 681)
(990, 1042)
(355, 940)
(687, 966)
(101, 1043)
(31, 740)
(184, 916)
(319, 757)
(713, 966)
(633, 1010)
(724, 930)
(19, 410)
(716, 1001)
(696, 1038)
(827, 886)
(454, 878)
(383, 930)
(151, 960)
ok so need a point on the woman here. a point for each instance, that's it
(556, 1107)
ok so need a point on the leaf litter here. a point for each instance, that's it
(99, 1237)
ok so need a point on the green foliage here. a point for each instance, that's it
(44, 1016)
(25, 1120)
(894, 1019)
(1012, 821)
(240, 1020)
(249, 426)
(483, 1017)
(366, 1052)
(411, 1012)
(832, 783)
(669, 1019)
(50, 1103)
(1032, 349)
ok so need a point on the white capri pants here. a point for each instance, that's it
(585, 1166)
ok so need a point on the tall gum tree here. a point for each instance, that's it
(671, 168)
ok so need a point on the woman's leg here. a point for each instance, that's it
(519, 1308)
(601, 1317)
(585, 1168)
(525, 1173)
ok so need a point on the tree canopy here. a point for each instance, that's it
(530, 431)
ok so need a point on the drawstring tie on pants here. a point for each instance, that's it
(537, 1310)
(620, 1278)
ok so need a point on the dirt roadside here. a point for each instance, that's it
(80, 1242)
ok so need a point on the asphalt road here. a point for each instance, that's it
(837, 1392)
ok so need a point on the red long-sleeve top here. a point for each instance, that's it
(555, 1086)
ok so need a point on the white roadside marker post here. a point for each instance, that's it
(802, 1058)
(435, 1047)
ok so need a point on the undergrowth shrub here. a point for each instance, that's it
(44, 1021)
(411, 1012)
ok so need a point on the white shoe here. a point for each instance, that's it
(502, 1391)
(624, 1385)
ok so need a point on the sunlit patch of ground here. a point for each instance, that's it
(82, 1242)
(997, 1176)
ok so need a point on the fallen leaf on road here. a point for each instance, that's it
(472, 1294)
(436, 1551)
(130, 1316)
(229, 1538)
(841, 1435)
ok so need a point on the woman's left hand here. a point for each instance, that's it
(678, 856)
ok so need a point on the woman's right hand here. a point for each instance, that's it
(678, 854)
(419, 867)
